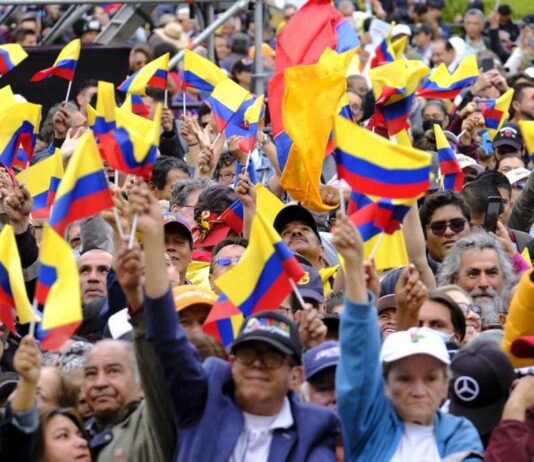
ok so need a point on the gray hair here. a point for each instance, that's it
(182, 189)
(480, 240)
(129, 348)
(475, 12)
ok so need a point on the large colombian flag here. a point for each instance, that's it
(153, 74)
(58, 290)
(373, 165)
(84, 189)
(42, 180)
(201, 73)
(225, 101)
(453, 177)
(11, 55)
(65, 64)
(442, 85)
(264, 273)
(12, 289)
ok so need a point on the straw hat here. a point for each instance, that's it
(174, 34)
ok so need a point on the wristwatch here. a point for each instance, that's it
(266, 140)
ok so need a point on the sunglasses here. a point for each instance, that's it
(439, 227)
(269, 359)
(227, 261)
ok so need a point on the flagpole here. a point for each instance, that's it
(298, 294)
(68, 91)
(376, 246)
(215, 140)
(341, 198)
(132, 234)
(165, 101)
(183, 103)
(116, 178)
(247, 162)
(118, 223)
(27, 173)
(32, 322)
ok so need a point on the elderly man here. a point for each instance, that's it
(241, 410)
(480, 266)
(124, 385)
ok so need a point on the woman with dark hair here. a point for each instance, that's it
(61, 437)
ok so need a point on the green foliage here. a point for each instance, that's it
(519, 8)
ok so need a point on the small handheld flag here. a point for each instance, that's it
(453, 177)
(153, 74)
(201, 73)
(252, 116)
(11, 55)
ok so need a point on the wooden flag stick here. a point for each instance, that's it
(298, 294)
(132, 234)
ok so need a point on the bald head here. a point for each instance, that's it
(93, 266)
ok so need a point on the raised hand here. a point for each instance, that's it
(17, 206)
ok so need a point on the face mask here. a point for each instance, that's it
(429, 124)
(443, 335)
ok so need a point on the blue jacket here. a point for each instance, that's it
(371, 427)
(209, 420)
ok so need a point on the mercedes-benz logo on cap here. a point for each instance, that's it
(466, 388)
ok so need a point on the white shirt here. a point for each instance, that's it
(254, 442)
(417, 443)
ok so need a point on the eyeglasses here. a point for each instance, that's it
(468, 307)
(269, 359)
(227, 175)
(439, 227)
(227, 261)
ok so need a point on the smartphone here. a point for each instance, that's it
(493, 211)
(488, 64)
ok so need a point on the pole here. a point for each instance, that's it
(210, 16)
(259, 83)
(223, 17)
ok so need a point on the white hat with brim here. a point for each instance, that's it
(466, 161)
(415, 341)
(517, 174)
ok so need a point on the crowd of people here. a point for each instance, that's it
(425, 361)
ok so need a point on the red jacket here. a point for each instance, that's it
(512, 440)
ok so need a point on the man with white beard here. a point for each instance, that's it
(480, 266)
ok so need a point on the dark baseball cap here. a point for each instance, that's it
(274, 328)
(310, 284)
(423, 28)
(509, 135)
(8, 383)
(386, 302)
(293, 213)
(320, 357)
(482, 377)
(178, 221)
(436, 3)
(505, 10)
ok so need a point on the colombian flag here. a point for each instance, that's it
(264, 273)
(127, 142)
(43, 179)
(442, 85)
(495, 111)
(382, 216)
(527, 130)
(84, 190)
(11, 55)
(233, 216)
(394, 86)
(65, 64)
(12, 289)
(387, 52)
(58, 290)
(153, 74)
(453, 177)
(201, 73)
(19, 125)
(253, 116)
(373, 165)
(225, 102)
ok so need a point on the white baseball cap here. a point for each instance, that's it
(401, 29)
(517, 174)
(414, 341)
(466, 161)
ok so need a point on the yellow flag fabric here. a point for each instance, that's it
(391, 251)
(198, 273)
(526, 256)
(63, 301)
(12, 289)
(267, 203)
(527, 130)
(309, 105)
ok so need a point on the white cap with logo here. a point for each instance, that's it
(414, 341)
(517, 174)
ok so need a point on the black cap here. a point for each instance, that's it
(295, 213)
(482, 377)
(310, 284)
(505, 10)
(436, 4)
(509, 135)
(528, 20)
(8, 383)
(92, 24)
(274, 328)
